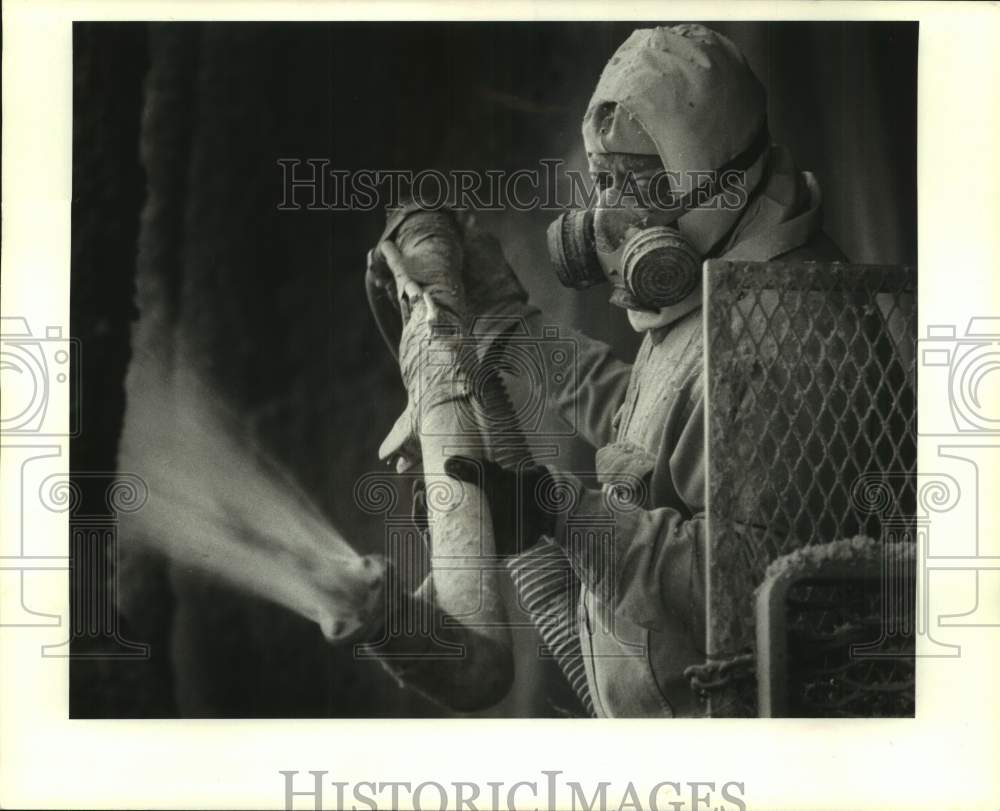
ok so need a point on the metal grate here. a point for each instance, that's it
(810, 399)
(835, 634)
(826, 619)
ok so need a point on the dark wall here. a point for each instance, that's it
(109, 66)
(843, 98)
(269, 303)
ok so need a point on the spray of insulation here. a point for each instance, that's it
(218, 504)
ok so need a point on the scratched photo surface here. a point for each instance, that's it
(503, 369)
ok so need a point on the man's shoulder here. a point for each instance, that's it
(819, 248)
(684, 331)
(675, 351)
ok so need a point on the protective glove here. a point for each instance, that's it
(495, 298)
(521, 503)
(491, 286)
(401, 448)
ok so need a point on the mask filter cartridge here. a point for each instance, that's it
(660, 266)
(573, 251)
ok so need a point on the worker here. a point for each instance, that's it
(677, 142)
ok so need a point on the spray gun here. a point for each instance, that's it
(391, 297)
(542, 577)
(415, 290)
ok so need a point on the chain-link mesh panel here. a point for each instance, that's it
(810, 391)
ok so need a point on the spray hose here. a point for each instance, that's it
(548, 590)
(547, 587)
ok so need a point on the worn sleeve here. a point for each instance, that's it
(646, 565)
(581, 379)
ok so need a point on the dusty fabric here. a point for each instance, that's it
(783, 214)
(494, 294)
(643, 592)
(686, 94)
(642, 606)
(641, 612)
(690, 89)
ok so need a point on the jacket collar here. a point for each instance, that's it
(781, 215)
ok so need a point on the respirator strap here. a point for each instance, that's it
(713, 186)
(786, 236)
(719, 245)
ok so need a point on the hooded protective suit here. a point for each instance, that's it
(686, 94)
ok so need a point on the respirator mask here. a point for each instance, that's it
(638, 247)
(649, 266)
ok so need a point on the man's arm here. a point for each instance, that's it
(652, 567)
(586, 388)
(589, 395)
(646, 565)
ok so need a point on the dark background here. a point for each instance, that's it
(177, 132)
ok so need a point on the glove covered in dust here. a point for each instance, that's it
(493, 300)
(492, 288)
(520, 502)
